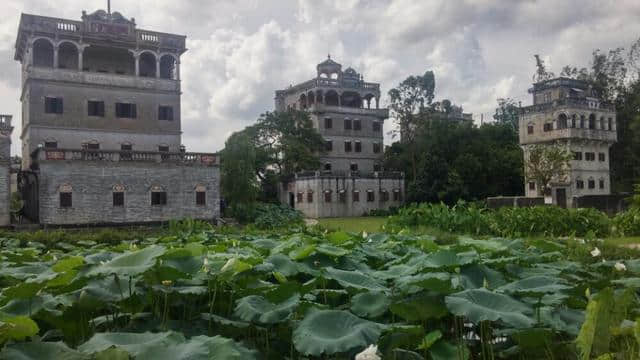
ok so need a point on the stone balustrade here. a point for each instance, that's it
(179, 158)
(380, 113)
(350, 174)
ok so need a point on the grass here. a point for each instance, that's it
(370, 224)
(622, 240)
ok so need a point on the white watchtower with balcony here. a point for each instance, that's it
(570, 113)
(345, 111)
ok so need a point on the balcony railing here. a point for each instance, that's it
(93, 78)
(570, 133)
(313, 83)
(568, 102)
(381, 113)
(179, 158)
(350, 174)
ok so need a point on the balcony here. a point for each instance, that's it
(334, 83)
(101, 79)
(569, 133)
(570, 103)
(179, 159)
(321, 108)
(349, 174)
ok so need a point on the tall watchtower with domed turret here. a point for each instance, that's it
(5, 165)
(346, 112)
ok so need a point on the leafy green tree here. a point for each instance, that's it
(239, 183)
(546, 163)
(507, 112)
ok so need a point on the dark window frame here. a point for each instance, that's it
(310, 197)
(357, 125)
(327, 196)
(357, 146)
(165, 113)
(201, 198)
(347, 124)
(601, 157)
(126, 111)
(66, 199)
(532, 185)
(53, 105)
(328, 144)
(376, 126)
(328, 123)
(158, 198)
(347, 146)
(50, 144)
(591, 184)
(577, 155)
(118, 199)
(95, 108)
(371, 196)
(355, 196)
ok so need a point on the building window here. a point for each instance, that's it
(355, 196)
(327, 167)
(371, 196)
(397, 195)
(163, 148)
(574, 119)
(158, 197)
(347, 124)
(95, 108)
(376, 126)
(118, 199)
(165, 113)
(592, 184)
(530, 129)
(300, 197)
(327, 196)
(357, 125)
(532, 185)
(342, 196)
(377, 167)
(50, 144)
(582, 118)
(579, 184)
(384, 195)
(601, 183)
(547, 127)
(66, 200)
(328, 144)
(92, 146)
(590, 156)
(592, 121)
(347, 146)
(328, 123)
(126, 110)
(201, 198)
(609, 124)
(310, 196)
(577, 155)
(601, 157)
(376, 148)
(53, 105)
(358, 146)
(353, 167)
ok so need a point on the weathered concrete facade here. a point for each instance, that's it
(92, 183)
(5, 166)
(568, 112)
(101, 129)
(345, 111)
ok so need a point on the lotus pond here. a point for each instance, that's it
(209, 293)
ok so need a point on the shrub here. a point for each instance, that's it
(627, 223)
(272, 216)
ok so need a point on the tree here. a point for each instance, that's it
(546, 163)
(541, 71)
(239, 182)
(407, 102)
(508, 113)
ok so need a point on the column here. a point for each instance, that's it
(377, 103)
(178, 70)
(157, 68)
(339, 99)
(137, 60)
(80, 58)
(55, 56)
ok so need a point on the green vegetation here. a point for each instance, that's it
(204, 293)
(369, 224)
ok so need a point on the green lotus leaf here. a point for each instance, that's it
(16, 327)
(401, 354)
(68, 263)
(535, 285)
(109, 289)
(283, 264)
(562, 319)
(302, 252)
(224, 321)
(370, 304)
(481, 304)
(333, 331)
(167, 346)
(430, 339)
(338, 237)
(23, 290)
(256, 308)
(113, 353)
(41, 351)
(354, 279)
(36, 303)
(25, 272)
(444, 350)
(631, 282)
(437, 281)
(476, 276)
(129, 263)
(421, 306)
(443, 259)
(331, 250)
(485, 245)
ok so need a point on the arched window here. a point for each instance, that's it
(334, 76)
(147, 64)
(331, 98)
(582, 120)
(310, 196)
(66, 196)
(319, 98)
(43, 53)
(168, 67)
(368, 99)
(158, 196)
(121, 61)
(592, 183)
(562, 121)
(303, 101)
(327, 167)
(327, 196)
(351, 99)
(201, 195)
(601, 123)
(68, 56)
(592, 121)
(311, 99)
(118, 195)
(574, 120)
(610, 124)
(530, 128)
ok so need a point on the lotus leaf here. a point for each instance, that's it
(370, 304)
(535, 285)
(129, 263)
(256, 308)
(354, 279)
(480, 304)
(41, 351)
(333, 331)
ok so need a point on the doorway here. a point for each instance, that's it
(561, 198)
(292, 199)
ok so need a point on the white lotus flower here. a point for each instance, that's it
(620, 266)
(364, 234)
(595, 252)
(370, 353)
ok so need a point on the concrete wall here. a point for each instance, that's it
(320, 208)
(92, 186)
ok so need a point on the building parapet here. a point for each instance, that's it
(568, 103)
(349, 174)
(93, 78)
(179, 158)
(333, 83)
(321, 108)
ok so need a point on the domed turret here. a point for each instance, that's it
(329, 69)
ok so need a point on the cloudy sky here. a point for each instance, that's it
(240, 51)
